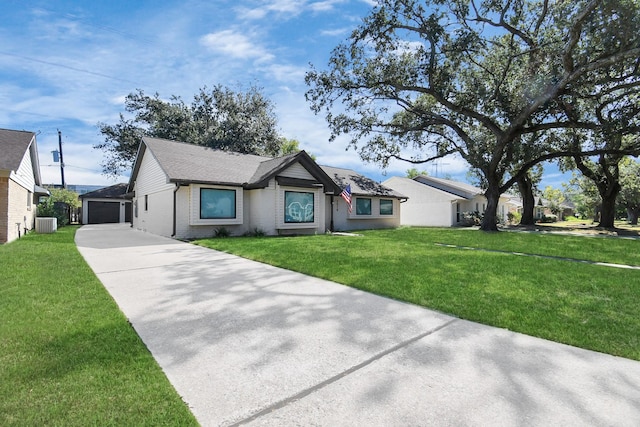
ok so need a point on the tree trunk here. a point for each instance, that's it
(632, 215)
(608, 213)
(489, 222)
(525, 187)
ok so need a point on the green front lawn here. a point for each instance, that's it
(68, 356)
(588, 306)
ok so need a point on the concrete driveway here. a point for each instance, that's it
(247, 343)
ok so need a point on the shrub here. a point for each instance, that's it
(221, 232)
(549, 218)
(469, 219)
(514, 217)
(52, 209)
(256, 232)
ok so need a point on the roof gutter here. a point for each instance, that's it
(175, 190)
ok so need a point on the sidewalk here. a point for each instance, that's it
(244, 342)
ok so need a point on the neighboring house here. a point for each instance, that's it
(189, 191)
(542, 209)
(440, 202)
(106, 205)
(20, 183)
(373, 204)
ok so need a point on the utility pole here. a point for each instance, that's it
(61, 159)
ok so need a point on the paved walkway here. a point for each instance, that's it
(247, 343)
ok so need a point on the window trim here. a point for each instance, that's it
(235, 194)
(375, 209)
(318, 217)
(194, 210)
(285, 207)
(386, 215)
(367, 215)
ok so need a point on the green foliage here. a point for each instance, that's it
(414, 172)
(583, 193)
(629, 196)
(65, 196)
(221, 232)
(549, 218)
(219, 118)
(494, 83)
(554, 199)
(470, 219)
(291, 146)
(514, 217)
(256, 232)
(48, 207)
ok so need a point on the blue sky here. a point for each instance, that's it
(68, 65)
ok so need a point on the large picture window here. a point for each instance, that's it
(363, 206)
(217, 203)
(298, 207)
(386, 207)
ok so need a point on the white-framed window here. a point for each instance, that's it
(386, 207)
(299, 207)
(373, 208)
(216, 205)
(363, 206)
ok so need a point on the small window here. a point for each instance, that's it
(298, 207)
(363, 206)
(146, 202)
(457, 212)
(386, 207)
(217, 203)
(29, 200)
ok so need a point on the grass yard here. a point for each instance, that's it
(585, 305)
(68, 356)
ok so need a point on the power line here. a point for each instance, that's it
(54, 64)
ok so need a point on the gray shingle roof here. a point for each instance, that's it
(360, 185)
(195, 163)
(266, 167)
(13, 147)
(190, 163)
(117, 191)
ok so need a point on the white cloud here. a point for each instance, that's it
(287, 8)
(324, 6)
(336, 32)
(235, 44)
(288, 73)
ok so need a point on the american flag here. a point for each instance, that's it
(346, 195)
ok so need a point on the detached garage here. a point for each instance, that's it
(107, 205)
